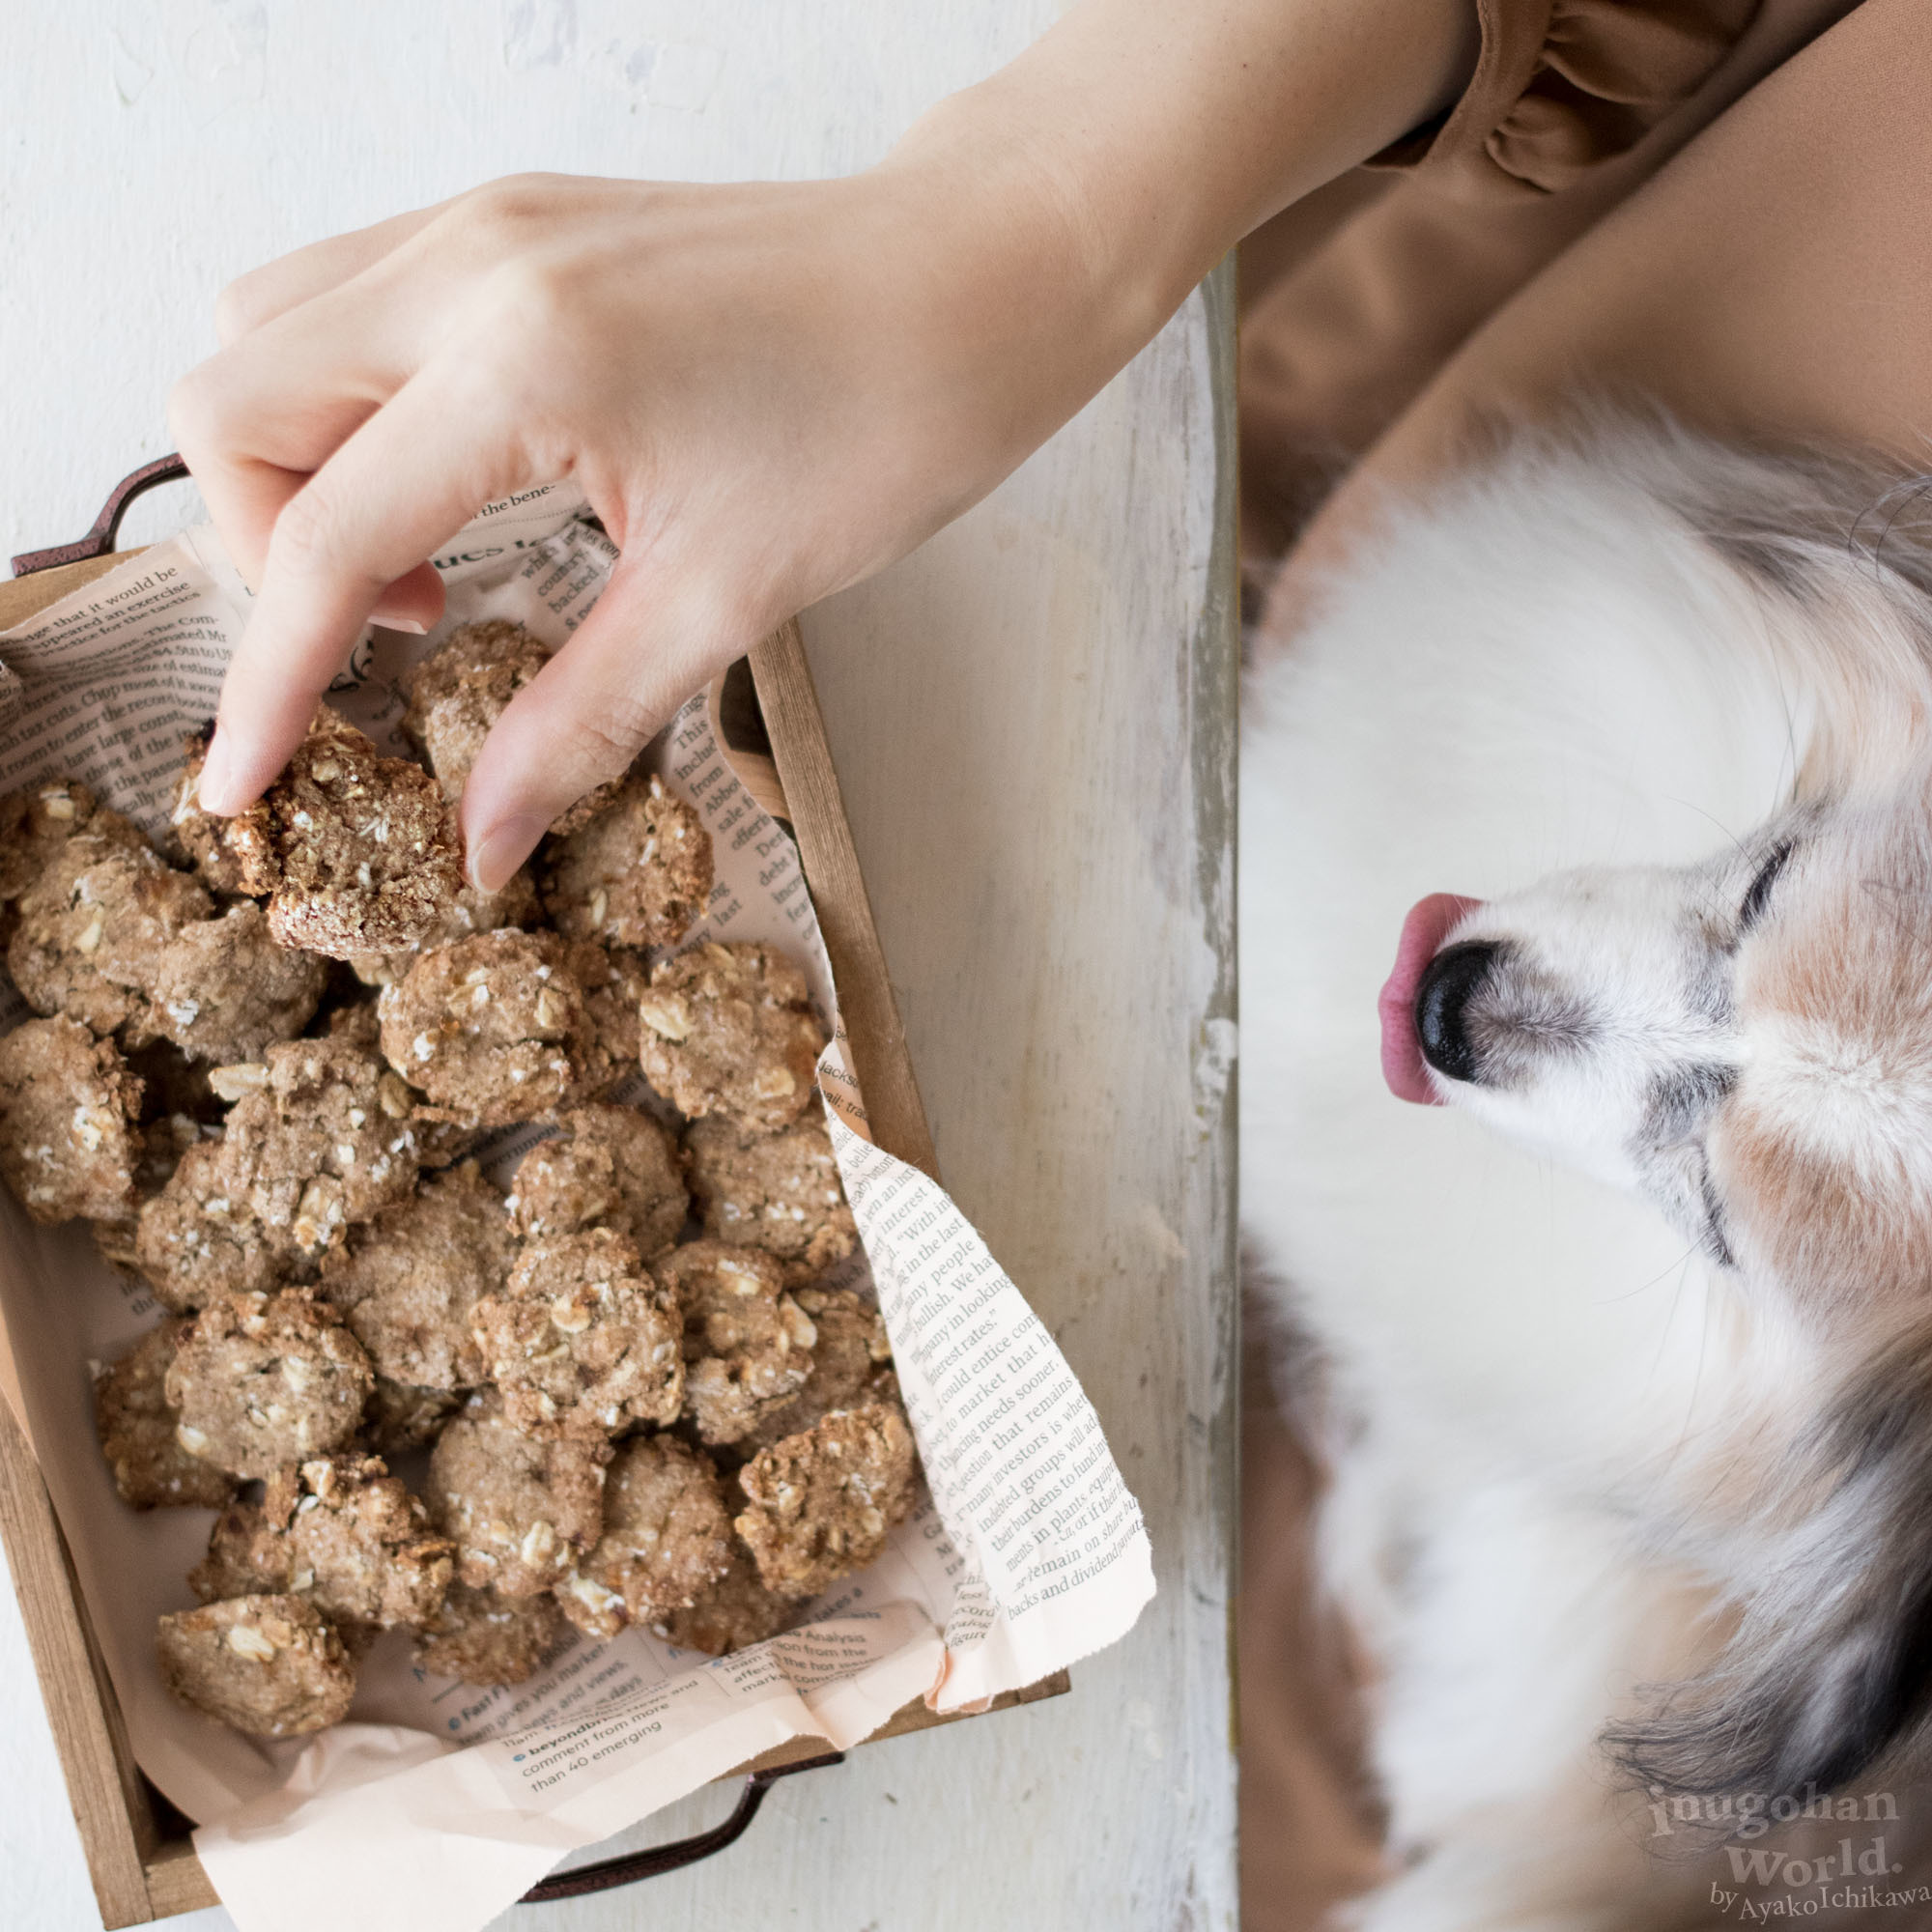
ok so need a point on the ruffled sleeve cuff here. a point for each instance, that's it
(1563, 86)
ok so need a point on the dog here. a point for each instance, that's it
(1620, 741)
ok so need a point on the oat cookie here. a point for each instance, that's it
(264, 1380)
(94, 927)
(68, 1105)
(196, 1241)
(584, 1338)
(361, 1547)
(492, 1029)
(407, 1282)
(482, 1638)
(666, 1539)
(735, 1611)
(398, 1417)
(247, 1555)
(321, 1137)
(471, 913)
(637, 873)
(462, 687)
(729, 1030)
(520, 1511)
(222, 989)
(608, 1167)
(136, 1427)
(776, 1191)
(35, 823)
(357, 852)
(615, 981)
(748, 1345)
(850, 1364)
(819, 1505)
(265, 1664)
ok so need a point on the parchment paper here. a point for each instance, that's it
(437, 1804)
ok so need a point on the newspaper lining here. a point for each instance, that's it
(437, 1803)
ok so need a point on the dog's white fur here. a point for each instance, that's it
(1581, 1435)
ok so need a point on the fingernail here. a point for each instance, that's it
(408, 624)
(216, 775)
(500, 850)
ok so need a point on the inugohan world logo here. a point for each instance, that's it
(1858, 1872)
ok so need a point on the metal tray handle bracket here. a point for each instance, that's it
(100, 540)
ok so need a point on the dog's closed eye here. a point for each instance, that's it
(1757, 894)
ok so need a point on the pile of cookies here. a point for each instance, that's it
(264, 1063)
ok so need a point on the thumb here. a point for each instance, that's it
(587, 714)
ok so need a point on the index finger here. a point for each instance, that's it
(404, 483)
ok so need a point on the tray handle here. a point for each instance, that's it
(608, 1873)
(100, 540)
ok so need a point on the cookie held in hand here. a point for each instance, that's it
(356, 853)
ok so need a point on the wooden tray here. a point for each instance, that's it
(138, 1852)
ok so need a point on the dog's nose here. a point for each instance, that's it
(1442, 1004)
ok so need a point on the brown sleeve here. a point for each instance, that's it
(1562, 86)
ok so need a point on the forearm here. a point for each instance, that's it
(1111, 165)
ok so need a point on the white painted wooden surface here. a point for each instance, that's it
(1031, 718)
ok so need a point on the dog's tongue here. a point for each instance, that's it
(1429, 923)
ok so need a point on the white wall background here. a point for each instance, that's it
(1029, 755)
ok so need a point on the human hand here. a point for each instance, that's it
(747, 384)
(766, 391)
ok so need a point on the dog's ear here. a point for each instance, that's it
(1831, 1664)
